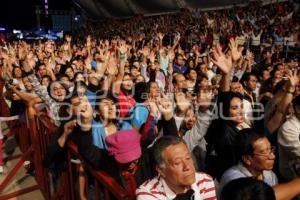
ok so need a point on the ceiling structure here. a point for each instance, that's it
(99, 9)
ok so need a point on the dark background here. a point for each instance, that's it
(20, 14)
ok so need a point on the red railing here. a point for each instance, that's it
(34, 138)
(102, 181)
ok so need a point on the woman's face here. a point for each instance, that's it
(107, 109)
(236, 111)
(190, 118)
(203, 69)
(139, 79)
(45, 82)
(281, 68)
(70, 73)
(265, 75)
(193, 75)
(204, 84)
(57, 69)
(81, 90)
(191, 64)
(58, 92)
(17, 72)
(154, 90)
(79, 77)
(127, 82)
(278, 74)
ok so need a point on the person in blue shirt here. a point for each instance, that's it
(179, 66)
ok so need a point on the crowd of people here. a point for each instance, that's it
(180, 106)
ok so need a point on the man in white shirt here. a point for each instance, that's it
(177, 177)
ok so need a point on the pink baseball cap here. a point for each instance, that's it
(124, 145)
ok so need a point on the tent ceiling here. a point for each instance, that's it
(99, 9)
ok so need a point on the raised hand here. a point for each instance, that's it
(235, 50)
(154, 111)
(112, 67)
(146, 51)
(69, 127)
(293, 77)
(106, 42)
(182, 102)
(165, 106)
(223, 62)
(177, 38)
(88, 41)
(4, 55)
(29, 62)
(152, 57)
(160, 36)
(122, 47)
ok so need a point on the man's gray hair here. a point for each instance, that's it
(160, 145)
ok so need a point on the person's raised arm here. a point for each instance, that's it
(276, 121)
(89, 45)
(176, 42)
(224, 63)
(122, 58)
(23, 95)
(68, 129)
(160, 38)
(287, 190)
(165, 107)
(42, 92)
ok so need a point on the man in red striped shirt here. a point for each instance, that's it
(177, 177)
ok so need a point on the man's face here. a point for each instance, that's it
(107, 109)
(180, 61)
(237, 87)
(251, 84)
(180, 81)
(45, 81)
(27, 84)
(263, 158)
(179, 170)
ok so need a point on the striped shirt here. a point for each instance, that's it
(157, 188)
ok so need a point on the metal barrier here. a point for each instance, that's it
(104, 185)
(102, 181)
(40, 132)
(28, 153)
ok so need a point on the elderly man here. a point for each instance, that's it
(256, 161)
(177, 177)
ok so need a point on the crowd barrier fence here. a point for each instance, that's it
(33, 139)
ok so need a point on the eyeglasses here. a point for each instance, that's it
(267, 153)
